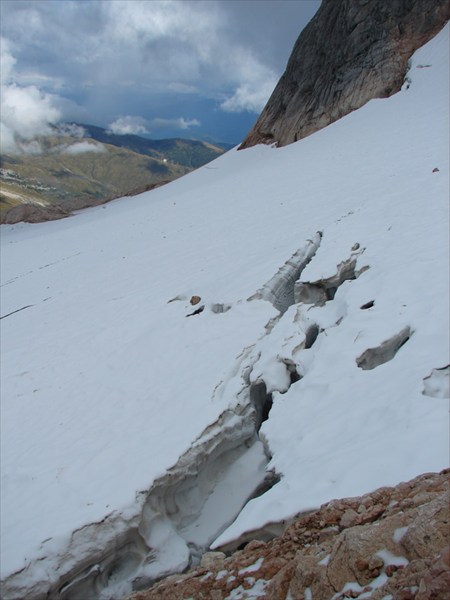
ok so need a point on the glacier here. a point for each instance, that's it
(133, 439)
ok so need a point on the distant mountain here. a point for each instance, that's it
(188, 153)
(59, 173)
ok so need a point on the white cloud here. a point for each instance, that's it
(39, 80)
(22, 146)
(182, 88)
(138, 125)
(82, 147)
(179, 123)
(71, 129)
(255, 83)
(249, 97)
(128, 125)
(7, 142)
(25, 111)
(7, 61)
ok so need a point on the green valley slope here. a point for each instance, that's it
(68, 173)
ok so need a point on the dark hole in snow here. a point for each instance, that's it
(293, 374)
(197, 312)
(367, 305)
(311, 336)
(262, 402)
(330, 293)
(294, 377)
(347, 275)
(374, 357)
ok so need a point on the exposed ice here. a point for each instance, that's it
(128, 429)
(374, 357)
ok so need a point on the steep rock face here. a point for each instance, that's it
(390, 543)
(351, 51)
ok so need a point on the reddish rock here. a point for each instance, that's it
(410, 521)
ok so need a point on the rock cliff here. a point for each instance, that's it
(351, 51)
(391, 543)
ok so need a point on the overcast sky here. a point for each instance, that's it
(187, 68)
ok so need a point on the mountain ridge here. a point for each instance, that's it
(86, 166)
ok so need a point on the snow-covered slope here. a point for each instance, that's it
(323, 272)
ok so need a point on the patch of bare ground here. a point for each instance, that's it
(391, 543)
(34, 213)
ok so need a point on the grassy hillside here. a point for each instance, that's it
(189, 153)
(72, 172)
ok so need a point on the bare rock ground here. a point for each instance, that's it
(390, 544)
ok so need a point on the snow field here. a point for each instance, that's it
(106, 384)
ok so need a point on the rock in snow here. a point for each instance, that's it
(134, 439)
(351, 52)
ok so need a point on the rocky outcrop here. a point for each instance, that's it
(32, 213)
(36, 213)
(391, 543)
(351, 51)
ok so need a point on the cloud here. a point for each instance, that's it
(70, 129)
(7, 61)
(188, 47)
(249, 98)
(182, 88)
(25, 111)
(179, 123)
(97, 61)
(22, 146)
(138, 125)
(128, 125)
(82, 147)
(255, 84)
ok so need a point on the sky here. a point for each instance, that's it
(159, 68)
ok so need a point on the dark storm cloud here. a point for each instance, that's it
(123, 59)
(270, 28)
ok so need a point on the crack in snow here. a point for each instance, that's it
(320, 291)
(187, 509)
(374, 357)
(279, 290)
